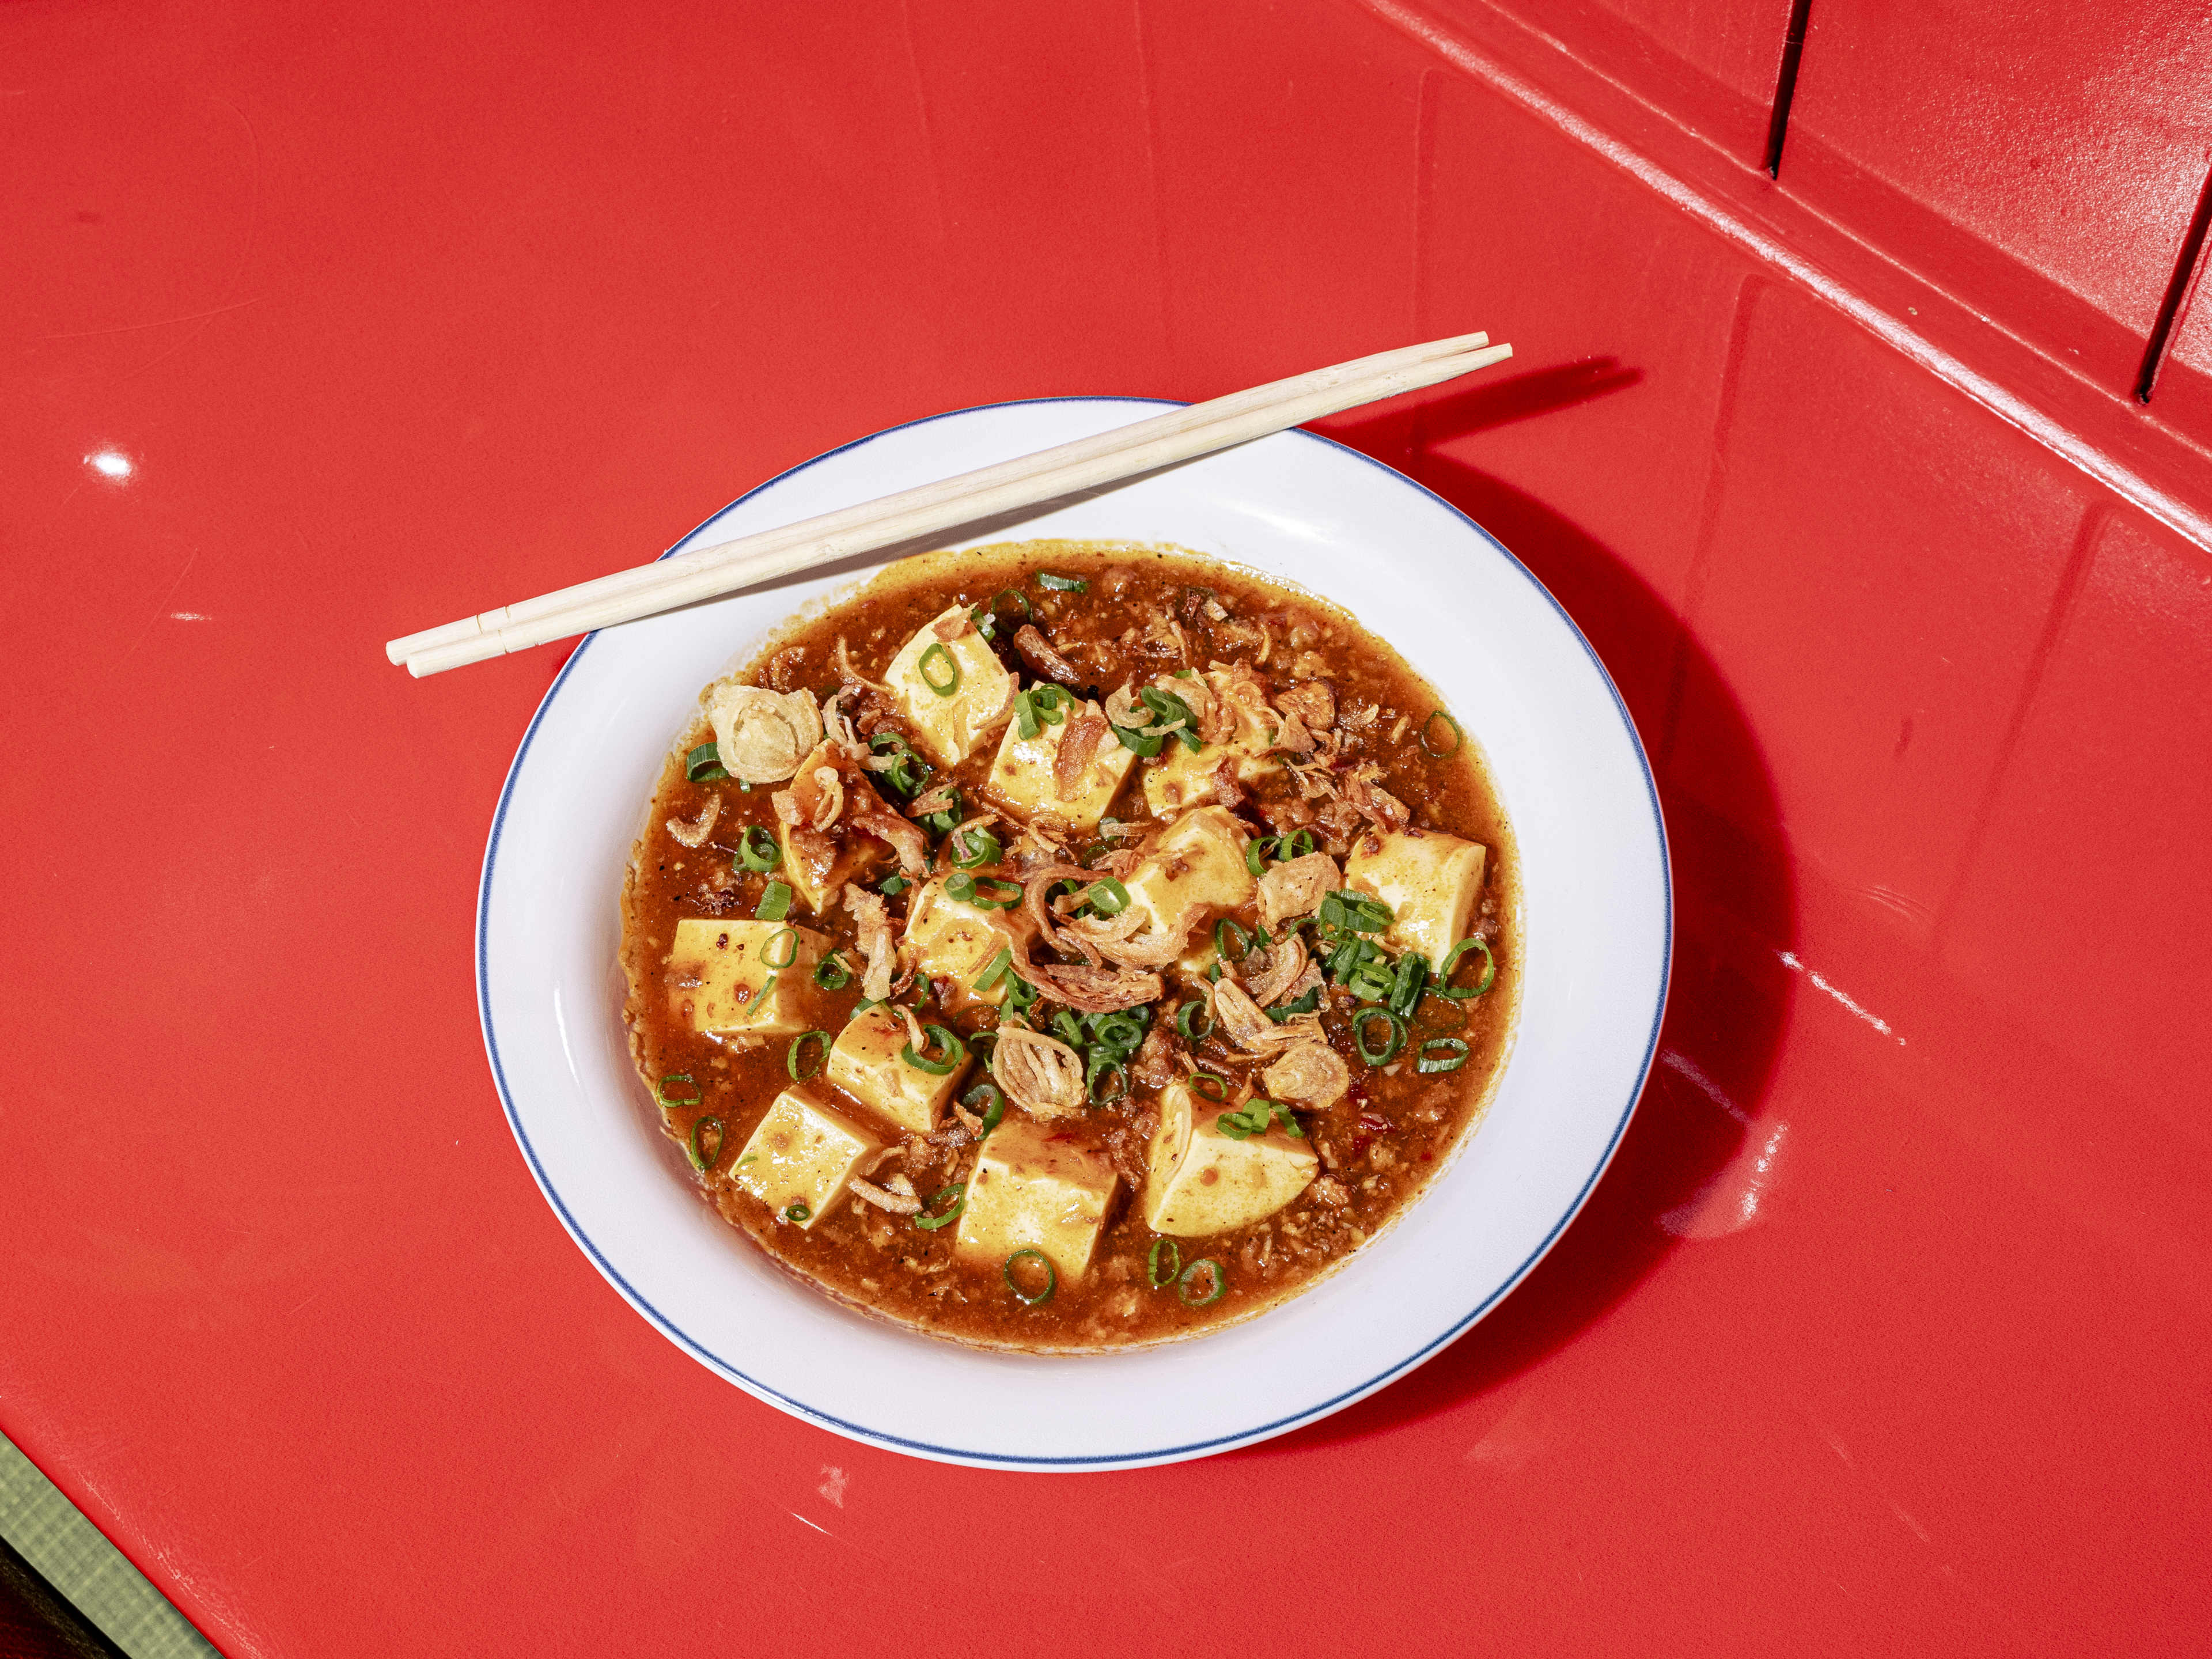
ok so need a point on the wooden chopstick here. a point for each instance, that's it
(1089, 463)
(1107, 443)
(1193, 418)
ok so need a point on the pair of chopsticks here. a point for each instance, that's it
(1087, 464)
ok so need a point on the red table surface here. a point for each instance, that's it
(1886, 1333)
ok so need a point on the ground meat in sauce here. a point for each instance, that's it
(1145, 612)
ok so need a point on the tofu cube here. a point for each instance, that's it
(951, 727)
(1022, 782)
(717, 979)
(1430, 881)
(1181, 776)
(819, 863)
(803, 1153)
(865, 1062)
(950, 939)
(1200, 1182)
(1039, 1188)
(1196, 871)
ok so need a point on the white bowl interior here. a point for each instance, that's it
(1597, 923)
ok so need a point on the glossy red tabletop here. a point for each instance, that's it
(1886, 1331)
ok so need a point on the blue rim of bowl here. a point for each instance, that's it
(1124, 1460)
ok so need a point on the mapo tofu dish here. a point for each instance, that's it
(1069, 946)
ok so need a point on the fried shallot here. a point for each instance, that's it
(760, 736)
(1270, 973)
(871, 921)
(1095, 990)
(1295, 888)
(1041, 1074)
(1078, 743)
(1311, 1073)
(1038, 653)
(907, 841)
(695, 831)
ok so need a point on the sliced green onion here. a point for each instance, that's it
(1395, 1039)
(1162, 1280)
(947, 1040)
(1444, 987)
(973, 848)
(704, 764)
(1294, 846)
(946, 680)
(1168, 708)
(831, 973)
(1021, 995)
(1452, 1050)
(705, 1145)
(1120, 1031)
(997, 1109)
(1060, 584)
(1406, 986)
(693, 1099)
(1221, 930)
(1143, 745)
(1183, 1021)
(907, 772)
(985, 615)
(1355, 913)
(1220, 1283)
(1433, 743)
(1370, 982)
(892, 886)
(994, 971)
(1218, 1092)
(1039, 706)
(1070, 1027)
(1437, 1014)
(942, 823)
(992, 893)
(798, 1213)
(1305, 1005)
(1288, 1119)
(767, 952)
(1243, 1125)
(1103, 1066)
(790, 1061)
(1107, 896)
(957, 1192)
(1051, 1279)
(757, 850)
(1255, 851)
(774, 905)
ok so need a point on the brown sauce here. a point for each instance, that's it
(1373, 774)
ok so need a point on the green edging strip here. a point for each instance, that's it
(77, 1560)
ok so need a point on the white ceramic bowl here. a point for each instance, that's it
(1598, 930)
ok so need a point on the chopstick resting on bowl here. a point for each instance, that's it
(1086, 464)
